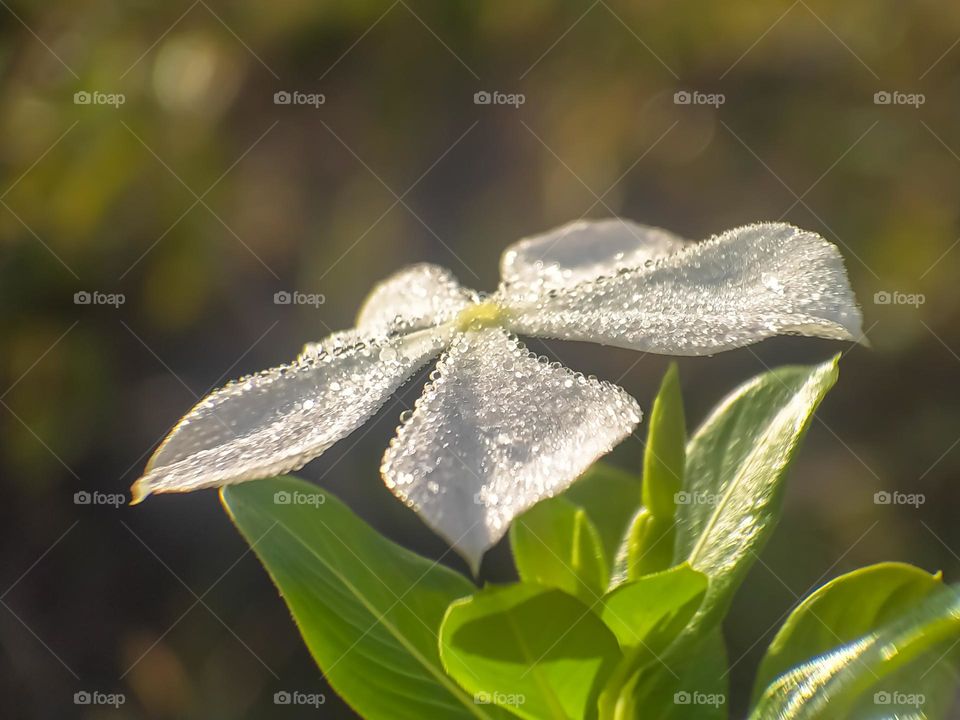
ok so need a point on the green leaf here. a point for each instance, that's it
(611, 497)
(646, 548)
(538, 651)
(844, 609)
(368, 610)
(910, 655)
(648, 613)
(555, 544)
(648, 543)
(664, 455)
(735, 464)
(688, 682)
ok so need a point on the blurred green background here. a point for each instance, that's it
(199, 197)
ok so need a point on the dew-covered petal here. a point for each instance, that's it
(280, 419)
(732, 290)
(582, 250)
(495, 431)
(416, 297)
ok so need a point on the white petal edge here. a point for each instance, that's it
(414, 298)
(495, 431)
(280, 419)
(735, 289)
(582, 250)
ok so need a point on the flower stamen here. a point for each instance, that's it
(488, 313)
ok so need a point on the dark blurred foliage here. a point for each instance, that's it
(199, 198)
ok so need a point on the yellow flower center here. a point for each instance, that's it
(488, 313)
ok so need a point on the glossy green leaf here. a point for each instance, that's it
(688, 682)
(556, 545)
(537, 651)
(735, 464)
(664, 455)
(611, 497)
(368, 610)
(648, 613)
(844, 609)
(647, 545)
(904, 669)
(647, 548)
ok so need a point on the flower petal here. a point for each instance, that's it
(582, 250)
(732, 290)
(414, 298)
(496, 431)
(280, 419)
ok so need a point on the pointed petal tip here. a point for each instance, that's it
(471, 553)
(853, 331)
(474, 564)
(139, 491)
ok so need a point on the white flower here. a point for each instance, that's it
(498, 429)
